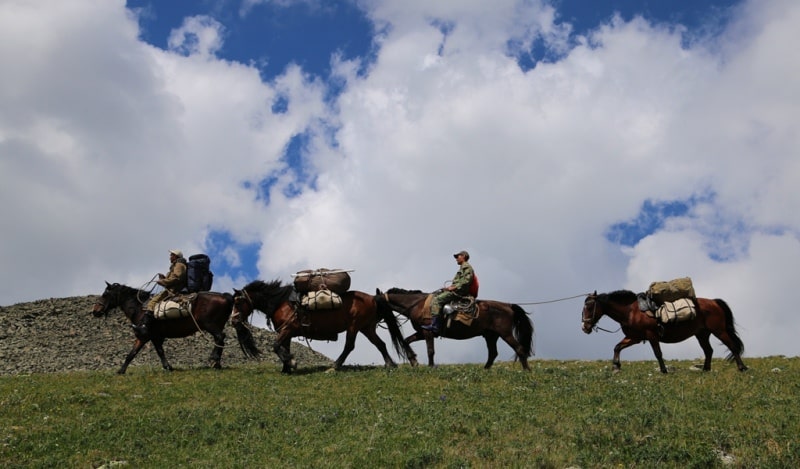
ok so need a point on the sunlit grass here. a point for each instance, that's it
(561, 414)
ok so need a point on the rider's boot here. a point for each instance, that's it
(434, 325)
(143, 328)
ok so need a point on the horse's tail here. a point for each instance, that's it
(398, 342)
(523, 329)
(730, 328)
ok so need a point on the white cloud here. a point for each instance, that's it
(112, 152)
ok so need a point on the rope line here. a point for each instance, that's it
(554, 301)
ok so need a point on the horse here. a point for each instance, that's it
(494, 320)
(713, 317)
(358, 313)
(210, 312)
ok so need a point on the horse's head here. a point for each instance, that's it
(242, 307)
(109, 300)
(590, 314)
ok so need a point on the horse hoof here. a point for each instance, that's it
(293, 364)
(330, 370)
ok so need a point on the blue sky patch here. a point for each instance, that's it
(218, 242)
(650, 219)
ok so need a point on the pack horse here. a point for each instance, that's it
(712, 317)
(209, 313)
(357, 312)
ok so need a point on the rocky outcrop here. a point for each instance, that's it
(61, 334)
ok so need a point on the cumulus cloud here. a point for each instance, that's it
(114, 151)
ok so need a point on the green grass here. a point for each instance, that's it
(561, 414)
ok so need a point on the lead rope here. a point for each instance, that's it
(554, 301)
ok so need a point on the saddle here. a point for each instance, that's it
(178, 306)
(463, 310)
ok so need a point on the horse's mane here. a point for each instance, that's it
(402, 291)
(625, 297)
(268, 290)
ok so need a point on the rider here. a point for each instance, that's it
(458, 288)
(174, 282)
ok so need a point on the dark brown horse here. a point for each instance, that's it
(494, 320)
(713, 317)
(358, 313)
(210, 312)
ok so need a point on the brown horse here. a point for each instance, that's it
(210, 312)
(713, 317)
(358, 313)
(494, 320)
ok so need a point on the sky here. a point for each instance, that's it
(569, 146)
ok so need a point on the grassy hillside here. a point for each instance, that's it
(562, 414)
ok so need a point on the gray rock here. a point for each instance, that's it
(60, 334)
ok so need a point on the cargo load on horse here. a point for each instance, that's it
(320, 300)
(199, 275)
(321, 289)
(176, 307)
(676, 289)
(679, 310)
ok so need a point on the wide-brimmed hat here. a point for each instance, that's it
(176, 252)
(462, 253)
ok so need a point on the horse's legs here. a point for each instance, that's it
(705, 344)
(429, 343)
(158, 343)
(412, 357)
(349, 345)
(623, 344)
(491, 347)
(516, 346)
(137, 346)
(725, 338)
(216, 352)
(656, 346)
(380, 345)
(282, 350)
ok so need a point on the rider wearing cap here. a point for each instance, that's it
(174, 282)
(458, 287)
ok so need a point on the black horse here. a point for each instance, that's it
(210, 312)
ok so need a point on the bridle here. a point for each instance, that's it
(103, 302)
(592, 321)
(241, 296)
